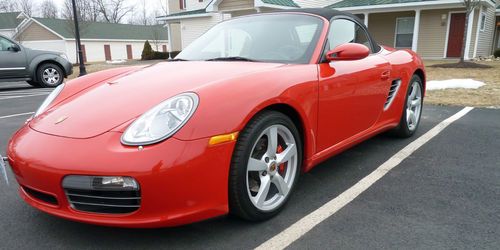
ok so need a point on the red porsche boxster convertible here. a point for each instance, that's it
(225, 127)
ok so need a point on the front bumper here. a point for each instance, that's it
(181, 181)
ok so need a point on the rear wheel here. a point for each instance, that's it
(49, 75)
(412, 112)
(265, 166)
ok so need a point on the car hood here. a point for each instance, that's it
(109, 104)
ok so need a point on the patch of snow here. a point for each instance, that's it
(454, 84)
(116, 61)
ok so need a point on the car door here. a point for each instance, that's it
(12, 60)
(352, 93)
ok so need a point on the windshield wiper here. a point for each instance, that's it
(233, 58)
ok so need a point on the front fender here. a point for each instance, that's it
(37, 60)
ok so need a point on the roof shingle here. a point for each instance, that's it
(99, 30)
(287, 3)
(9, 20)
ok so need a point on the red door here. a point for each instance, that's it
(84, 52)
(129, 52)
(107, 52)
(351, 98)
(164, 48)
(456, 35)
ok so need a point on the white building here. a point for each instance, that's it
(100, 41)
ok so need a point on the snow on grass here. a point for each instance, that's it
(454, 84)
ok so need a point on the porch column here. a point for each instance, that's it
(169, 41)
(366, 19)
(469, 35)
(416, 29)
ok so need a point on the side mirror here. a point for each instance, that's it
(348, 52)
(14, 48)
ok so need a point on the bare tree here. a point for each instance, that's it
(113, 11)
(8, 6)
(470, 6)
(87, 10)
(49, 9)
(26, 6)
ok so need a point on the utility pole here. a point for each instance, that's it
(83, 71)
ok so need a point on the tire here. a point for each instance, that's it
(49, 75)
(34, 84)
(248, 177)
(407, 128)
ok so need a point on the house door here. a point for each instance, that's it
(84, 53)
(129, 52)
(107, 52)
(456, 35)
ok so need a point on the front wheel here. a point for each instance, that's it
(49, 75)
(412, 109)
(265, 166)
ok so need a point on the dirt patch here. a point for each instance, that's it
(462, 65)
(486, 96)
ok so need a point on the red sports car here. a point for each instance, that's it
(225, 127)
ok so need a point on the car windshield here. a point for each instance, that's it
(282, 38)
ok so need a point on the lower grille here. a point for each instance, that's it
(113, 202)
(47, 198)
(84, 195)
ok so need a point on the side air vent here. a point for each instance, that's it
(392, 93)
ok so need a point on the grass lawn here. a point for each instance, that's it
(486, 96)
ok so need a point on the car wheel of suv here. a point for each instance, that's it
(49, 75)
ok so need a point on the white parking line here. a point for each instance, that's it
(16, 115)
(21, 96)
(304, 225)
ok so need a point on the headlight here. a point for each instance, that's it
(49, 100)
(162, 121)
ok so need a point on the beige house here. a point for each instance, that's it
(434, 29)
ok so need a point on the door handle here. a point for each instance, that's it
(386, 75)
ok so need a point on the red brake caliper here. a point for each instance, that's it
(282, 166)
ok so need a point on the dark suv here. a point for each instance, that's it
(39, 68)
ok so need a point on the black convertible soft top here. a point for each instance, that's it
(324, 12)
(331, 13)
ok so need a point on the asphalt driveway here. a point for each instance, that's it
(444, 195)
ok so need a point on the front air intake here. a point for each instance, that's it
(392, 93)
(105, 195)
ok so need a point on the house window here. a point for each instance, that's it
(483, 21)
(404, 32)
(182, 4)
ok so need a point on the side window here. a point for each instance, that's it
(346, 31)
(5, 44)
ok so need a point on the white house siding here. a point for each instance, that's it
(195, 4)
(94, 50)
(50, 45)
(485, 38)
(235, 5)
(192, 28)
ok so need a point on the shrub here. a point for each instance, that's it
(147, 52)
(497, 53)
